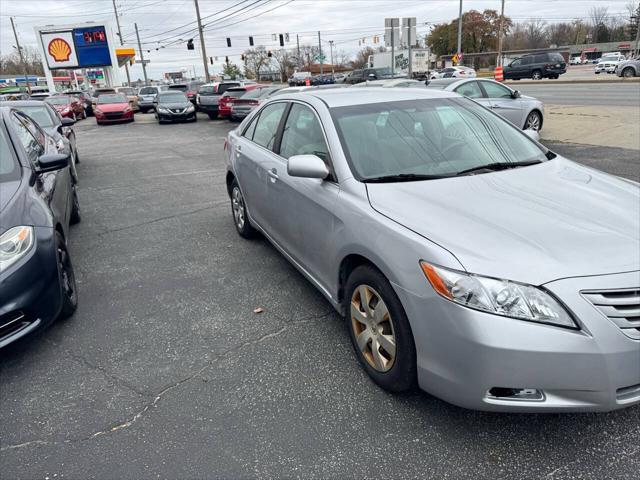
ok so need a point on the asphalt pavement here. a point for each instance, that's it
(165, 371)
(623, 94)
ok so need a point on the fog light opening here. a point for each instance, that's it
(517, 394)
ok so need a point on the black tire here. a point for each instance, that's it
(212, 116)
(628, 72)
(401, 376)
(536, 75)
(75, 207)
(239, 213)
(67, 279)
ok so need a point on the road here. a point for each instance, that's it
(165, 371)
(610, 94)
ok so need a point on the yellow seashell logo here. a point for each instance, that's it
(59, 49)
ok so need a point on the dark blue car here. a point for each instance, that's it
(38, 201)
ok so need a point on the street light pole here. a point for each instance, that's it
(144, 66)
(499, 59)
(459, 31)
(24, 65)
(204, 51)
(320, 54)
(126, 65)
(333, 73)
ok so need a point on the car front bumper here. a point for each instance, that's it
(176, 117)
(31, 293)
(208, 108)
(462, 354)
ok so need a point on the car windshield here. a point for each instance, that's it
(40, 114)
(608, 57)
(441, 137)
(58, 100)
(97, 93)
(112, 98)
(176, 97)
(9, 169)
(148, 91)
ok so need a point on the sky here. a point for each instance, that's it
(168, 23)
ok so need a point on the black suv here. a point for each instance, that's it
(359, 76)
(536, 66)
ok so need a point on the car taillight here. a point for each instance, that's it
(461, 72)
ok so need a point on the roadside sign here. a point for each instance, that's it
(307, 81)
(320, 58)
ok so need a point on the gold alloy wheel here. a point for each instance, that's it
(373, 328)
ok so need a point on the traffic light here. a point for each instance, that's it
(190, 44)
(269, 54)
(226, 60)
(228, 42)
(211, 60)
(251, 41)
(242, 57)
(281, 40)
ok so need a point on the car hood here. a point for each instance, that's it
(174, 105)
(7, 191)
(112, 107)
(533, 224)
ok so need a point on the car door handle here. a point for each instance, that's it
(273, 174)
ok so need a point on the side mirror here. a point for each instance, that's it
(515, 94)
(307, 166)
(532, 134)
(53, 161)
(67, 122)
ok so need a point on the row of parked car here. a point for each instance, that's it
(38, 203)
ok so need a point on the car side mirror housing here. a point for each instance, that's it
(67, 122)
(515, 94)
(532, 134)
(307, 166)
(53, 161)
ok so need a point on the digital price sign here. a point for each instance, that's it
(92, 47)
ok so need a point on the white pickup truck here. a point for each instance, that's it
(608, 62)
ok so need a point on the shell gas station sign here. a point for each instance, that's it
(59, 50)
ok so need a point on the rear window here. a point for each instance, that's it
(223, 87)
(182, 88)
(556, 57)
(235, 92)
(148, 91)
(97, 93)
(207, 90)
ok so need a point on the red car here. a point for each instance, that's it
(230, 96)
(113, 108)
(68, 106)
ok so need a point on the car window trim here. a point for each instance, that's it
(483, 82)
(483, 93)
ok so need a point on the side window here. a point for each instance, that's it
(470, 89)
(248, 133)
(302, 134)
(22, 127)
(527, 60)
(495, 90)
(516, 63)
(267, 125)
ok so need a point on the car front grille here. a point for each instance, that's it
(178, 110)
(622, 307)
(113, 115)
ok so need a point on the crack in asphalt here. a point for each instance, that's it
(152, 404)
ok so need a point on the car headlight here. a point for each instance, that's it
(15, 243)
(190, 108)
(127, 109)
(500, 297)
(60, 144)
(163, 110)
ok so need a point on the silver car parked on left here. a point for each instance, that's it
(466, 257)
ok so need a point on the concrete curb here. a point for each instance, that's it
(570, 82)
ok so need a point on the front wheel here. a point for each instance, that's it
(534, 121)
(628, 72)
(379, 330)
(67, 279)
(239, 211)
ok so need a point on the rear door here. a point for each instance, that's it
(255, 162)
(473, 91)
(503, 103)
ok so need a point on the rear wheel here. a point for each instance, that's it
(628, 72)
(379, 330)
(67, 279)
(239, 211)
(75, 207)
(536, 75)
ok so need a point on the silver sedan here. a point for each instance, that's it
(466, 257)
(521, 110)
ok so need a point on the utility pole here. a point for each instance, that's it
(393, 47)
(459, 31)
(298, 44)
(320, 55)
(24, 65)
(144, 66)
(204, 51)
(126, 65)
(410, 25)
(499, 59)
(333, 73)
(637, 48)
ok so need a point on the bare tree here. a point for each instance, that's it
(286, 63)
(255, 59)
(341, 58)
(10, 64)
(362, 58)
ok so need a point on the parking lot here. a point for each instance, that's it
(165, 370)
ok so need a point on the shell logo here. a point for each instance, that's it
(59, 49)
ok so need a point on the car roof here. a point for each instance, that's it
(165, 93)
(341, 97)
(22, 103)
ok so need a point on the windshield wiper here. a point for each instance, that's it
(403, 177)
(494, 167)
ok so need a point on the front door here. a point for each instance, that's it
(503, 103)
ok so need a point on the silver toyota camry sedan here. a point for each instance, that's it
(466, 257)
